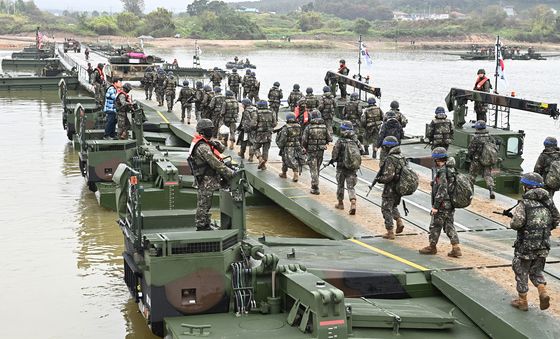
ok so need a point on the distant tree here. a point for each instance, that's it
(310, 21)
(307, 7)
(494, 16)
(361, 26)
(200, 6)
(19, 6)
(159, 23)
(3, 7)
(95, 14)
(133, 6)
(104, 25)
(127, 21)
(543, 20)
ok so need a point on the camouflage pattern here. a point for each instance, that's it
(215, 108)
(371, 121)
(481, 108)
(234, 80)
(533, 219)
(389, 176)
(149, 81)
(398, 115)
(186, 97)
(290, 147)
(391, 127)
(440, 133)
(216, 79)
(214, 170)
(169, 85)
(311, 102)
(351, 112)
(542, 166)
(314, 140)
(293, 99)
(444, 217)
(199, 96)
(474, 153)
(274, 97)
(254, 87)
(122, 104)
(206, 111)
(344, 71)
(247, 128)
(230, 113)
(98, 86)
(246, 84)
(327, 104)
(160, 88)
(344, 175)
(266, 120)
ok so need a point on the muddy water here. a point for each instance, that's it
(61, 253)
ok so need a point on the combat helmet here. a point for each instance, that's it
(215, 68)
(170, 73)
(550, 141)
(394, 104)
(309, 90)
(276, 84)
(481, 71)
(205, 127)
(371, 101)
(390, 141)
(246, 102)
(296, 87)
(346, 125)
(440, 113)
(262, 104)
(532, 180)
(248, 72)
(207, 88)
(480, 125)
(127, 87)
(234, 70)
(342, 61)
(315, 114)
(217, 90)
(354, 96)
(199, 84)
(100, 65)
(229, 93)
(290, 117)
(439, 153)
(326, 89)
(185, 83)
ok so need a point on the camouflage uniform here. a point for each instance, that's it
(148, 82)
(542, 166)
(254, 86)
(371, 121)
(344, 174)
(314, 141)
(216, 79)
(311, 102)
(351, 112)
(398, 115)
(206, 112)
(123, 105)
(288, 140)
(169, 85)
(230, 112)
(246, 84)
(475, 151)
(98, 86)
(444, 218)
(440, 132)
(481, 108)
(198, 102)
(215, 108)
(293, 99)
(186, 97)
(160, 88)
(234, 81)
(389, 177)
(327, 103)
(212, 170)
(341, 84)
(390, 127)
(265, 123)
(274, 97)
(533, 219)
(247, 127)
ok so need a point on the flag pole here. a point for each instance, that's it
(497, 53)
(360, 63)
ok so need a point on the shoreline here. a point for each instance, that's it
(17, 42)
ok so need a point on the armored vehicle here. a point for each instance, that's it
(71, 45)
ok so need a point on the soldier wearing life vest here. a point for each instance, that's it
(98, 82)
(123, 105)
(341, 84)
(208, 169)
(440, 130)
(483, 84)
(302, 113)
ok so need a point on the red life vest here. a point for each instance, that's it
(305, 115)
(126, 95)
(101, 75)
(479, 83)
(199, 138)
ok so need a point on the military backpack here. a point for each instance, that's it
(461, 189)
(352, 158)
(408, 180)
(489, 154)
(552, 178)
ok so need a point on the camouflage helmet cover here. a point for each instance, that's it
(371, 101)
(480, 124)
(246, 102)
(439, 153)
(185, 83)
(204, 124)
(309, 90)
(315, 114)
(550, 141)
(326, 89)
(127, 87)
(296, 86)
(346, 125)
(290, 117)
(394, 104)
(276, 84)
(390, 141)
(532, 179)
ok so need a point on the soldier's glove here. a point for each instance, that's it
(362, 152)
(331, 162)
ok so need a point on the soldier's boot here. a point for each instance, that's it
(455, 251)
(283, 175)
(389, 235)
(544, 298)
(340, 205)
(260, 161)
(314, 190)
(231, 144)
(521, 302)
(262, 164)
(430, 249)
(366, 150)
(374, 153)
(492, 195)
(296, 176)
(250, 158)
(241, 154)
(352, 207)
(400, 226)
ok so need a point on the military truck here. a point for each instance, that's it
(71, 44)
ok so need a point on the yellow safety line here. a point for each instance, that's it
(298, 196)
(389, 255)
(162, 116)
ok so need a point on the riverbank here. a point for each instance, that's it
(17, 42)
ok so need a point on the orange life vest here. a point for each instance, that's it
(199, 138)
(305, 115)
(479, 83)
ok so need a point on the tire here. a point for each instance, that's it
(150, 59)
(92, 187)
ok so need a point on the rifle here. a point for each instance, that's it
(326, 164)
(507, 212)
(374, 182)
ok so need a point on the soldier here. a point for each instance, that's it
(169, 85)
(110, 108)
(148, 82)
(311, 101)
(326, 106)
(351, 112)
(198, 99)
(476, 147)
(302, 113)
(265, 123)
(254, 87)
(208, 170)
(294, 97)
(245, 83)
(550, 154)
(371, 121)
(123, 105)
(442, 211)
(314, 141)
(390, 127)
(398, 115)
(234, 80)
(288, 141)
(98, 82)
(389, 176)
(341, 84)
(347, 164)
(440, 130)
(216, 78)
(483, 84)
(533, 219)
(215, 109)
(274, 97)
(230, 111)
(247, 128)
(159, 87)
(208, 95)
(186, 97)
(330, 81)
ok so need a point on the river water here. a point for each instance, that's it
(61, 254)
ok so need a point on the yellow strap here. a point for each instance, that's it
(389, 255)
(163, 117)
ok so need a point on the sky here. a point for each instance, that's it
(112, 5)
